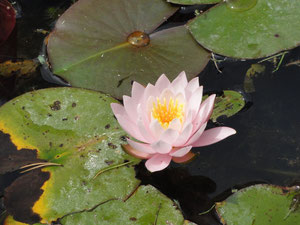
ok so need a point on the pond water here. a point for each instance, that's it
(265, 149)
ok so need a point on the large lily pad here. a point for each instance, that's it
(146, 206)
(90, 45)
(194, 2)
(248, 29)
(261, 204)
(76, 129)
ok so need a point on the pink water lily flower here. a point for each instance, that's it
(167, 119)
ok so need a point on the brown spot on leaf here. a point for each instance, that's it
(55, 106)
(73, 104)
(21, 195)
(109, 162)
(111, 145)
(133, 218)
(107, 126)
(276, 35)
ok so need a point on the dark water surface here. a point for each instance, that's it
(266, 148)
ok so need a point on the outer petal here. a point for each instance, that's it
(162, 83)
(197, 135)
(191, 87)
(189, 156)
(130, 107)
(125, 122)
(161, 147)
(181, 152)
(179, 83)
(195, 101)
(141, 147)
(137, 154)
(205, 112)
(213, 135)
(137, 92)
(158, 162)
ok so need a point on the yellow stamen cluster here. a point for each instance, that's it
(166, 112)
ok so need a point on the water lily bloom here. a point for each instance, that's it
(167, 119)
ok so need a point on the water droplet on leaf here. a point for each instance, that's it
(138, 39)
(240, 5)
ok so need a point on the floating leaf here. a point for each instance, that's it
(7, 20)
(194, 2)
(248, 29)
(106, 45)
(259, 204)
(146, 206)
(74, 128)
(228, 104)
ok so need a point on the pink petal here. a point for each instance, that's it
(137, 91)
(161, 147)
(117, 109)
(169, 136)
(137, 154)
(180, 83)
(144, 131)
(156, 129)
(175, 124)
(184, 136)
(125, 122)
(196, 135)
(162, 83)
(213, 135)
(189, 156)
(158, 162)
(141, 147)
(130, 107)
(150, 91)
(205, 112)
(192, 85)
(195, 101)
(181, 152)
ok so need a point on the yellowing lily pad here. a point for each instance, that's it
(261, 204)
(248, 28)
(75, 130)
(106, 45)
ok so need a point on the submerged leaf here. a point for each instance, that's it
(7, 20)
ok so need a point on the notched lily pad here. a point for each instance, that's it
(78, 143)
(106, 45)
(248, 28)
(260, 204)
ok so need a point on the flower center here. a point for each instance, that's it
(165, 111)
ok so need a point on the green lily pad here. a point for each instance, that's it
(106, 45)
(75, 130)
(194, 2)
(146, 206)
(248, 29)
(260, 204)
(228, 104)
